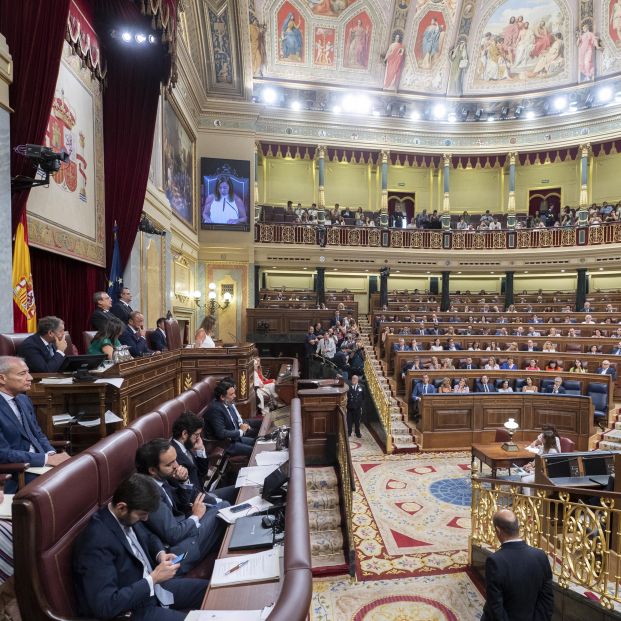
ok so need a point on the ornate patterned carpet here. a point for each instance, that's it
(412, 521)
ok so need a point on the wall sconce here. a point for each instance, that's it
(212, 301)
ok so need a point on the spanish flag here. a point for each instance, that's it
(25, 310)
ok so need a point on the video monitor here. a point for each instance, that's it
(560, 466)
(225, 194)
(81, 363)
(597, 465)
(273, 484)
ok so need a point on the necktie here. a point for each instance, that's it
(50, 348)
(486, 387)
(425, 389)
(23, 421)
(232, 416)
(169, 495)
(164, 597)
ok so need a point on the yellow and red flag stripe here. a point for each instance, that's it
(25, 309)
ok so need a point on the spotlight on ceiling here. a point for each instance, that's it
(490, 117)
(152, 39)
(296, 105)
(269, 96)
(255, 99)
(336, 109)
(389, 109)
(560, 103)
(504, 112)
(439, 111)
(588, 100)
(478, 113)
(140, 38)
(452, 117)
(530, 114)
(464, 114)
(376, 112)
(518, 111)
(126, 36)
(604, 94)
(402, 110)
(415, 116)
(356, 104)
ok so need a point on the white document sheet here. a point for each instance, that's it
(254, 475)
(271, 458)
(259, 567)
(115, 381)
(256, 503)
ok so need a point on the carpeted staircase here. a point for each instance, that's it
(324, 517)
(402, 432)
(611, 439)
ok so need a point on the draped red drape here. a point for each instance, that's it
(35, 32)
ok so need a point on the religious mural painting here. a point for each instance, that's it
(430, 39)
(614, 22)
(324, 46)
(291, 33)
(357, 42)
(221, 44)
(329, 8)
(521, 43)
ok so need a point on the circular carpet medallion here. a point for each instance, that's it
(453, 491)
(404, 608)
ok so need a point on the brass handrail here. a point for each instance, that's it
(381, 400)
(583, 542)
(348, 484)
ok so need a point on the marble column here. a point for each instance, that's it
(511, 219)
(582, 288)
(320, 285)
(321, 165)
(583, 210)
(257, 207)
(257, 285)
(508, 289)
(446, 297)
(384, 182)
(384, 273)
(446, 202)
(6, 250)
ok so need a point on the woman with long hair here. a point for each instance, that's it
(105, 341)
(204, 335)
(265, 389)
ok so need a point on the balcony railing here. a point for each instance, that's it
(311, 235)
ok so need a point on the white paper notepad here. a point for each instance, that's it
(254, 475)
(271, 458)
(248, 568)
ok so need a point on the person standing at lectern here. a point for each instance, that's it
(44, 351)
(355, 400)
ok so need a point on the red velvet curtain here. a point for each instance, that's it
(35, 32)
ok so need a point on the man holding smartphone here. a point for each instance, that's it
(183, 520)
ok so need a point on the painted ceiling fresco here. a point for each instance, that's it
(454, 47)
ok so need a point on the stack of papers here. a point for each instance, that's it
(272, 458)
(245, 569)
(62, 419)
(110, 417)
(229, 615)
(115, 381)
(5, 507)
(38, 470)
(257, 504)
(57, 380)
(255, 475)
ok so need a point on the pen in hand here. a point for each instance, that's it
(235, 568)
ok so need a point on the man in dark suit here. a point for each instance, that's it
(100, 315)
(158, 338)
(451, 345)
(119, 566)
(483, 385)
(401, 346)
(222, 423)
(557, 387)
(188, 441)
(134, 336)
(606, 369)
(196, 532)
(530, 346)
(518, 578)
(421, 388)
(122, 308)
(44, 351)
(616, 351)
(355, 400)
(468, 365)
(21, 438)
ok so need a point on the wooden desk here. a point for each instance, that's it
(496, 457)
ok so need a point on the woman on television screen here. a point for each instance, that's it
(224, 206)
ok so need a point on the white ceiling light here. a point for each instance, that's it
(604, 94)
(269, 96)
(140, 37)
(452, 117)
(356, 103)
(560, 103)
(336, 109)
(126, 36)
(296, 105)
(439, 111)
(530, 114)
(415, 116)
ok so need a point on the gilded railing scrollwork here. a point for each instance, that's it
(381, 400)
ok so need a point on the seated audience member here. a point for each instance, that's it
(107, 339)
(483, 385)
(158, 338)
(447, 363)
(122, 309)
(421, 388)
(461, 386)
(222, 422)
(606, 369)
(436, 345)
(532, 366)
(578, 367)
(401, 346)
(491, 365)
(504, 387)
(187, 438)
(616, 351)
(44, 351)
(101, 314)
(414, 365)
(529, 386)
(434, 364)
(530, 346)
(134, 336)
(196, 532)
(119, 566)
(6, 544)
(554, 365)
(595, 349)
(21, 438)
(266, 390)
(452, 346)
(509, 365)
(445, 387)
(557, 387)
(204, 335)
(468, 365)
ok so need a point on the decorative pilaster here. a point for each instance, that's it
(384, 202)
(508, 288)
(583, 213)
(320, 285)
(321, 206)
(511, 219)
(257, 208)
(446, 297)
(446, 202)
(582, 288)
(384, 273)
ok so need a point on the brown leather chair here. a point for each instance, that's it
(567, 445)
(191, 401)
(169, 412)
(87, 339)
(173, 334)
(205, 389)
(10, 342)
(148, 427)
(502, 435)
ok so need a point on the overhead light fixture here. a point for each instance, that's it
(518, 111)
(376, 112)
(140, 37)
(452, 117)
(415, 116)
(490, 117)
(356, 103)
(439, 111)
(269, 96)
(336, 109)
(530, 114)
(464, 114)
(560, 103)
(126, 36)
(504, 112)
(152, 39)
(478, 113)
(296, 105)
(604, 94)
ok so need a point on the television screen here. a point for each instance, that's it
(594, 466)
(560, 466)
(225, 194)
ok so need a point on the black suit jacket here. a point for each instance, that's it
(122, 311)
(355, 398)
(107, 576)
(219, 424)
(99, 319)
(550, 389)
(37, 355)
(158, 340)
(519, 584)
(137, 344)
(197, 467)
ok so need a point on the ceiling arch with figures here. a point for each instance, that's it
(436, 47)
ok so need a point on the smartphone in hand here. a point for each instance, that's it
(179, 558)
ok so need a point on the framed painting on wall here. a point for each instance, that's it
(179, 164)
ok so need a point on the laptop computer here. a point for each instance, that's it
(250, 534)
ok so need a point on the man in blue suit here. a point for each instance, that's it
(221, 421)
(483, 385)
(188, 442)
(120, 567)
(134, 336)
(421, 388)
(21, 438)
(44, 351)
(158, 338)
(195, 533)
(606, 369)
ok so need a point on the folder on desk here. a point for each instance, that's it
(246, 569)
